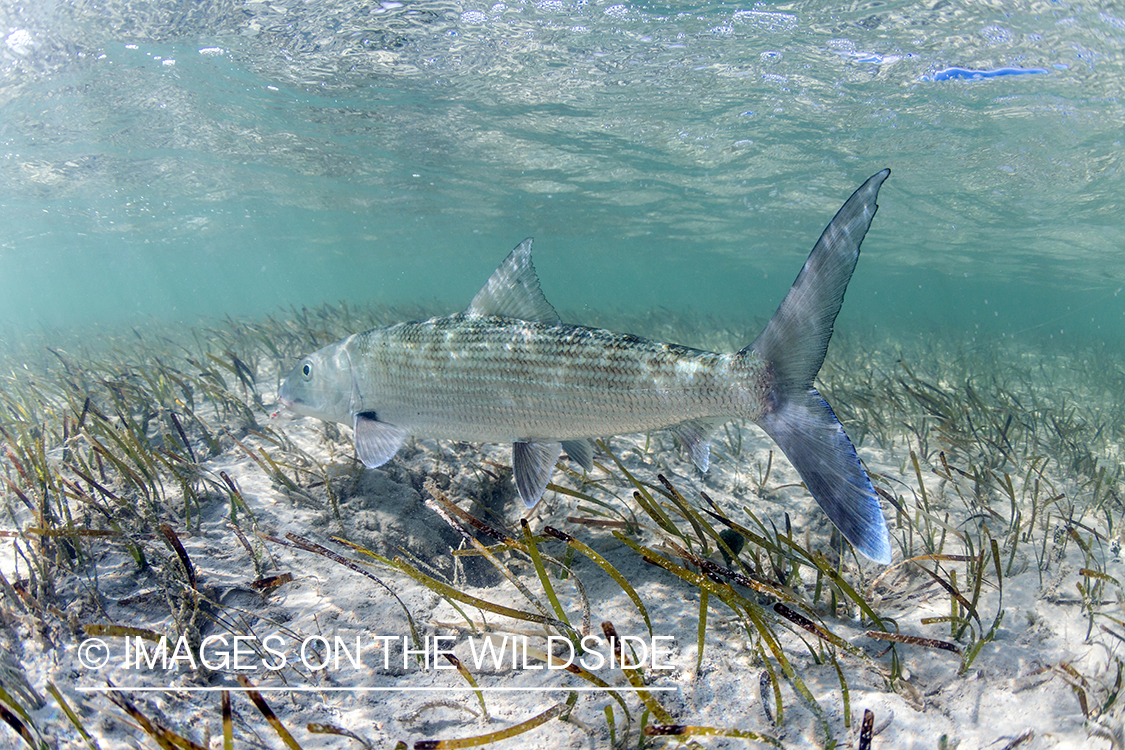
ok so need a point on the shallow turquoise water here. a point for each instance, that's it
(177, 160)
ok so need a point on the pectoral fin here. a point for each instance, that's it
(376, 442)
(532, 464)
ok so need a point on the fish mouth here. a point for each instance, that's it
(284, 392)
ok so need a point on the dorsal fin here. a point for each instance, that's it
(512, 291)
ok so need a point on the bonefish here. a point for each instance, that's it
(507, 369)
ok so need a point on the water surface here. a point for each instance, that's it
(174, 161)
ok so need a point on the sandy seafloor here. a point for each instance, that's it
(1005, 700)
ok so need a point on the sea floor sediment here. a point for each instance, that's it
(184, 563)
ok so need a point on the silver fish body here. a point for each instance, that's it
(500, 380)
(508, 370)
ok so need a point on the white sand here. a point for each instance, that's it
(1013, 695)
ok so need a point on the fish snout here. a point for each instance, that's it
(285, 395)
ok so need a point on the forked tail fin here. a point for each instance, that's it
(793, 345)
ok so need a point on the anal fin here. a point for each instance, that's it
(696, 435)
(532, 464)
(376, 442)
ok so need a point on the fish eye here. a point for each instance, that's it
(306, 370)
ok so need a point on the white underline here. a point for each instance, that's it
(313, 689)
